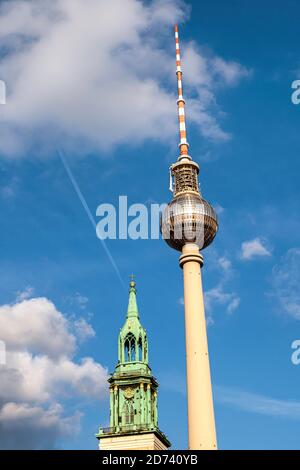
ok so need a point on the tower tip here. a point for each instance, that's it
(183, 144)
(132, 280)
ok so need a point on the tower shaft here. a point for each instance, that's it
(201, 421)
(189, 224)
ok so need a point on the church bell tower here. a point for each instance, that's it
(133, 391)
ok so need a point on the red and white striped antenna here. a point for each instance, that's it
(183, 144)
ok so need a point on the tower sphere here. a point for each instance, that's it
(188, 218)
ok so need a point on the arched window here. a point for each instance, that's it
(140, 358)
(129, 346)
(128, 411)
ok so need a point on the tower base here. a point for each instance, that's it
(144, 441)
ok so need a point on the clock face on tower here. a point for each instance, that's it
(129, 393)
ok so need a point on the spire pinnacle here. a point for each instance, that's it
(132, 310)
(183, 144)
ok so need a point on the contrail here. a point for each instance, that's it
(89, 214)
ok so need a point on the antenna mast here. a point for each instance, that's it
(183, 144)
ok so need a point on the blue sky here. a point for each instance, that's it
(120, 140)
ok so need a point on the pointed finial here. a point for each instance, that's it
(132, 280)
(132, 304)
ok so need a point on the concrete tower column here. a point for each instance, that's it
(201, 421)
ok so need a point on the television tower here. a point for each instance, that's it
(189, 224)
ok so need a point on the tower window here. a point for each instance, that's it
(129, 413)
(129, 348)
(140, 358)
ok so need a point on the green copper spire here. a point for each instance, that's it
(133, 389)
(132, 311)
(133, 344)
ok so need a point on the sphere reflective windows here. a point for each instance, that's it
(189, 219)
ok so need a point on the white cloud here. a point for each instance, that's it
(38, 325)
(35, 427)
(9, 190)
(97, 74)
(41, 374)
(206, 73)
(218, 209)
(81, 300)
(255, 403)
(225, 263)
(40, 379)
(222, 294)
(77, 301)
(233, 304)
(83, 329)
(217, 296)
(169, 11)
(203, 68)
(24, 294)
(230, 73)
(285, 281)
(254, 248)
